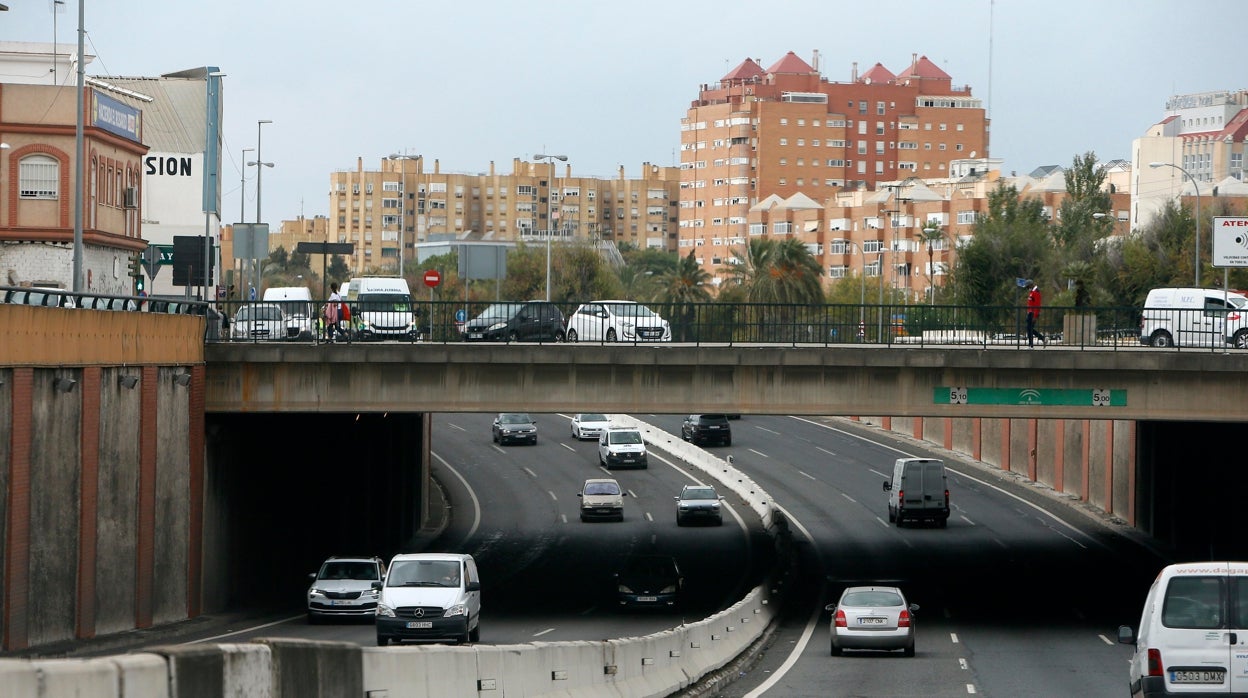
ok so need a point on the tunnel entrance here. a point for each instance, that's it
(1190, 481)
(286, 490)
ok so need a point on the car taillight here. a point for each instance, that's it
(901, 498)
(903, 620)
(840, 619)
(1154, 663)
(946, 499)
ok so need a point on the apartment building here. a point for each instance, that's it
(401, 204)
(787, 130)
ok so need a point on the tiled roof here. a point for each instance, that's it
(878, 73)
(924, 68)
(792, 65)
(1236, 128)
(746, 70)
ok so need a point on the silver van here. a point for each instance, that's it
(918, 491)
(1193, 638)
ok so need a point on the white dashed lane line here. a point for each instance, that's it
(764, 455)
(769, 431)
(820, 448)
(552, 495)
(455, 426)
(812, 477)
(530, 472)
(543, 632)
(568, 447)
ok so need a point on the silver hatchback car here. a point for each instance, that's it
(872, 618)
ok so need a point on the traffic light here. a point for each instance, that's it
(136, 272)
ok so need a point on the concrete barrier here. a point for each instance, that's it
(122, 676)
(212, 671)
(315, 669)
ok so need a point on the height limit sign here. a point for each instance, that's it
(1230, 241)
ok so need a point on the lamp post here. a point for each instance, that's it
(1196, 186)
(550, 213)
(402, 191)
(259, 164)
(242, 195)
(930, 235)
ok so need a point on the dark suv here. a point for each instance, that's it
(707, 428)
(517, 322)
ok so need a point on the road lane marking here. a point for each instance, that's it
(530, 472)
(962, 663)
(998, 542)
(967, 520)
(883, 523)
(632, 494)
(1109, 642)
(543, 632)
(970, 688)
(455, 426)
(770, 431)
(820, 448)
(649, 517)
(563, 518)
(855, 501)
(886, 476)
(498, 448)
(476, 503)
(246, 630)
(812, 477)
(953, 637)
(552, 495)
(764, 455)
(568, 447)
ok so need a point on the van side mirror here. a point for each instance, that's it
(376, 585)
(888, 486)
(312, 576)
(473, 586)
(1125, 635)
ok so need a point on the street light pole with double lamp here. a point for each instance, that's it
(259, 164)
(1196, 186)
(550, 212)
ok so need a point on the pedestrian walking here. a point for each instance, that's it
(331, 313)
(1033, 315)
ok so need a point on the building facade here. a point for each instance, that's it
(401, 204)
(788, 130)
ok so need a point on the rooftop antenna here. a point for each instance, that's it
(57, 7)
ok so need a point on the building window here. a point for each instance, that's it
(879, 128)
(862, 107)
(879, 108)
(39, 177)
(784, 141)
(784, 122)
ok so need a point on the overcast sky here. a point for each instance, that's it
(468, 83)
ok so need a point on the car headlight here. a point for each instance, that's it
(315, 592)
(669, 589)
(627, 325)
(497, 326)
(371, 593)
(625, 590)
(714, 505)
(384, 610)
(458, 609)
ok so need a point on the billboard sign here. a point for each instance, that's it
(1230, 241)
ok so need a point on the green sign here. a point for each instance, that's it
(1034, 397)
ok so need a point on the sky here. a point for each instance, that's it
(606, 83)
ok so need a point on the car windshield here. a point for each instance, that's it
(714, 418)
(602, 488)
(424, 573)
(871, 598)
(514, 419)
(699, 493)
(384, 302)
(593, 418)
(294, 308)
(629, 310)
(342, 569)
(625, 437)
(499, 311)
(650, 567)
(260, 312)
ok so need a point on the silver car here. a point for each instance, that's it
(343, 587)
(698, 503)
(872, 618)
(259, 321)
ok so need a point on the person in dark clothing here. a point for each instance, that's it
(1033, 314)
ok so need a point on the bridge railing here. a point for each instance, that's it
(712, 323)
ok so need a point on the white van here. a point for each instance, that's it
(1193, 638)
(1194, 317)
(429, 596)
(297, 306)
(918, 490)
(381, 308)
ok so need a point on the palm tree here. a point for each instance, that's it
(681, 288)
(778, 271)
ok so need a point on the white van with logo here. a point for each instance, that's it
(1193, 637)
(381, 308)
(918, 491)
(1194, 317)
(297, 306)
(429, 596)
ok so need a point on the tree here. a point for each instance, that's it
(681, 289)
(778, 271)
(526, 274)
(931, 235)
(580, 274)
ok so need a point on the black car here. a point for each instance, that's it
(529, 321)
(706, 428)
(649, 581)
(509, 427)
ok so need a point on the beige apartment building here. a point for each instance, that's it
(787, 130)
(400, 204)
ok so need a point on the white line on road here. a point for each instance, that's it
(1107, 641)
(476, 504)
(953, 637)
(632, 494)
(649, 517)
(552, 495)
(764, 455)
(770, 431)
(563, 518)
(970, 688)
(455, 426)
(568, 447)
(855, 501)
(498, 448)
(530, 472)
(883, 475)
(998, 542)
(820, 448)
(883, 522)
(543, 632)
(967, 520)
(962, 663)
(246, 630)
(812, 477)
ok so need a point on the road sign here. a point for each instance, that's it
(155, 257)
(461, 316)
(432, 278)
(1230, 241)
(1097, 397)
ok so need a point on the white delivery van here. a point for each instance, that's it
(1193, 638)
(297, 306)
(429, 596)
(918, 491)
(381, 308)
(1194, 317)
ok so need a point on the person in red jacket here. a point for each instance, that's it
(1033, 314)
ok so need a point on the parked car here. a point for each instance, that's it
(698, 503)
(529, 321)
(918, 491)
(872, 618)
(1194, 317)
(602, 498)
(514, 426)
(259, 321)
(41, 295)
(429, 596)
(1192, 632)
(343, 587)
(649, 581)
(589, 425)
(297, 306)
(701, 429)
(622, 446)
(617, 321)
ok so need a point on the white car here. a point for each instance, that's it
(589, 425)
(602, 498)
(343, 587)
(617, 321)
(259, 321)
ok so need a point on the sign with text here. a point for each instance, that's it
(1230, 241)
(1091, 397)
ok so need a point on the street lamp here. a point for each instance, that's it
(1195, 185)
(929, 236)
(550, 213)
(396, 156)
(259, 164)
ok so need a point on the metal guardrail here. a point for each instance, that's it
(61, 298)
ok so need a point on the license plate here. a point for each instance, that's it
(1210, 676)
(474, 335)
(647, 598)
(870, 621)
(419, 624)
(341, 602)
